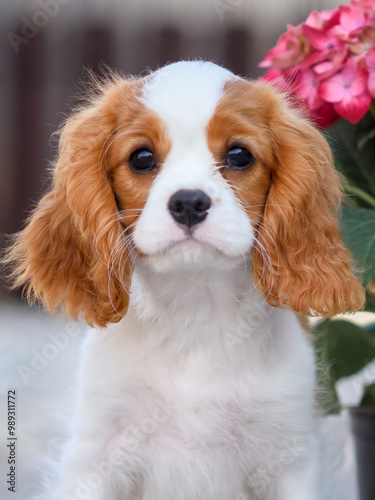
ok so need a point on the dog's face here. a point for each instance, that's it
(203, 177)
(190, 166)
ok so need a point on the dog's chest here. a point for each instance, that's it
(204, 406)
(203, 398)
(213, 398)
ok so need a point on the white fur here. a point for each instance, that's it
(203, 391)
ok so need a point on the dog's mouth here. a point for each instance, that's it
(188, 246)
(193, 240)
(191, 252)
(201, 246)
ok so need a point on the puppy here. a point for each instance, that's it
(192, 215)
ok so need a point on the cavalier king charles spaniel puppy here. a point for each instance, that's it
(192, 222)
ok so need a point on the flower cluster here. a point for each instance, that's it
(329, 62)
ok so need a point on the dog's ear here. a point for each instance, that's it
(69, 255)
(305, 266)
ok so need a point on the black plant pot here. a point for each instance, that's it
(363, 427)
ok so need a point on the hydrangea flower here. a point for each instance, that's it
(328, 62)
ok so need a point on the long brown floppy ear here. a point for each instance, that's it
(305, 266)
(72, 241)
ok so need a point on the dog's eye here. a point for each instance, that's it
(142, 160)
(239, 158)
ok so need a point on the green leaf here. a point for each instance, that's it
(370, 302)
(358, 230)
(369, 396)
(347, 348)
(353, 147)
(370, 329)
(327, 396)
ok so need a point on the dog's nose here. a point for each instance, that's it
(189, 206)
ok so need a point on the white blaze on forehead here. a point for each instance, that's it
(185, 94)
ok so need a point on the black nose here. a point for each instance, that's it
(189, 206)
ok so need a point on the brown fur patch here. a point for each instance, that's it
(243, 122)
(292, 191)
(73, 254)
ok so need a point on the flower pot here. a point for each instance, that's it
(363, 427)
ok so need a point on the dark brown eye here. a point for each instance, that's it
(142, 160)
(239, 158)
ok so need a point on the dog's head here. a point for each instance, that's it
(189, 166)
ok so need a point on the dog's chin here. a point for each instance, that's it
(192, 254)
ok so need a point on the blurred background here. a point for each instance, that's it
(44, 46)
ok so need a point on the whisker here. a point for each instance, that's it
(119, 247)
(107, 222)
(110, 275)
(266, 260)
(263, 205)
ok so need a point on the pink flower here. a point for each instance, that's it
(370, 61)
(328, 62)
(271, 74)
(353, 24)
(347, 90)
(290, 50)
(321, 39)
(298, 85)
(276, 76)
(329, 54)
(284, 80)
(313, 59)
(366, 6)
(363, 42)
(332, 63)
(325, 116)
(307, 89)
(352, 18)
(318, 20)
(315, 20)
